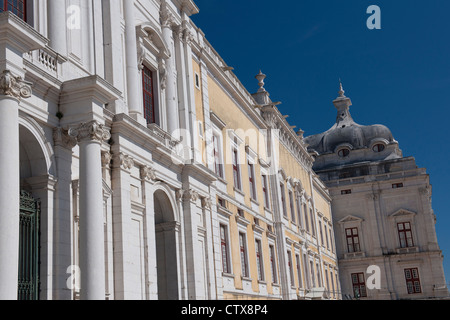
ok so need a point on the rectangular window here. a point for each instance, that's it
(344, 192)
(251, 179)
(283, 200)
(243, 254)
(405, 235)
(149, 99)
(291, 271)
(397, 185)
(331, 240)
(412, 281)
(273, 264)
(326, 237)
(265, 187)
(299, 213)
(352, 237)
(311, 270)
(321, 233)
(305, 210)
(291, 206)
(359, 285)
(308, 280)
(259, 260)
(197, 81)
(18, 7)
(224, 248)
(299, 270)
(313, 227)
(332, 283)
(217, 157)
(319, 278)
(236, 173)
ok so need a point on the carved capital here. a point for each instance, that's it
(13, 86)
(123, 161)
(189, 195)
(148, 173)
(166, 17)
(62, 138)
(207, 203)
(90, 131)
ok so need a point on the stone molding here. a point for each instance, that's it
(13, 86)
(92, 131)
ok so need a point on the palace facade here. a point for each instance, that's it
(136, 166)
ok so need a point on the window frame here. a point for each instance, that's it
(352, 236)
(259, 259)
(405, 241)
(243, 255)
(148, 94)
(359, 284)
(266, 192)
(283, 199)
(225, 245)
(413, 281)
(24, 12)
(218, 155)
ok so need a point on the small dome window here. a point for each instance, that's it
(379, 147)
(343, 152)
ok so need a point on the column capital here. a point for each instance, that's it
(90, 131)
(13, 86)
(123, 161)
(166, 17)
(148, 173)
(61, 138)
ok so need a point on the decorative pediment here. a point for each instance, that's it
(402, 213)
(350, 218)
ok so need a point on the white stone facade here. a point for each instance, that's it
(123, 215)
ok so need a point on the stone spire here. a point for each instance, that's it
(342, 104)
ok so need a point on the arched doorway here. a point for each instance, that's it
(35, 158)
(166, 229)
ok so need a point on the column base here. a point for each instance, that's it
(139, 118)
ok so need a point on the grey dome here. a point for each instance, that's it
(346, 132)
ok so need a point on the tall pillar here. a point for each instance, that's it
(92, 251)
(167, 22)
(132, 71)
(12, 89)
(57, 26)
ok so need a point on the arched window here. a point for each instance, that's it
(343, 153)
(378, 147)
(18, 7)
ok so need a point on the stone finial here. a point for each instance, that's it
(341, 90)
(261, 77)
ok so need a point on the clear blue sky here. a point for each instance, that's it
(398, 76)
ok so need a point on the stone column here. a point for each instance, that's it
(12, 89)
(148, 176)
(132, 71)
(57, 26)
(92, 252)
(167, 22)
